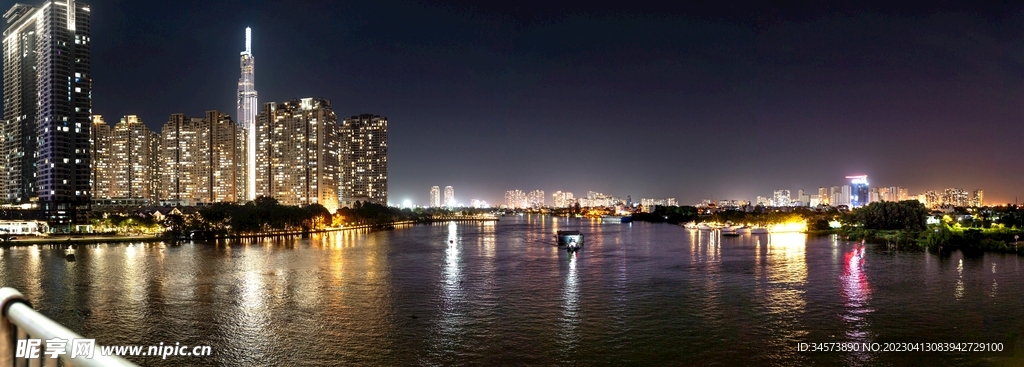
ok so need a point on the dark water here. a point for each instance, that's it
(501, 294)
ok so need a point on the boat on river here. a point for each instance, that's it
(615, 219)
(572, 240)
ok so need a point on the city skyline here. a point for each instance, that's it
(923, 88)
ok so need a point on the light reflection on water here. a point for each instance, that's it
(504, 294)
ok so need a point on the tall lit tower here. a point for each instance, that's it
(449, 196)
(435, 197)
(247, 109)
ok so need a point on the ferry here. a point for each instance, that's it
(572, 240)
(612, 219)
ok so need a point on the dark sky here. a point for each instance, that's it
(689, 101)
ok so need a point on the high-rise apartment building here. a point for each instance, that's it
(535, 199)
(298, 153)
(201, 160)
(46, 151)
(364, 159)
(247, 109)
(435, 197)
(449, 196)
(133, 167)
(102, 160)
(781, 198)
(515, 199)
(823, 197)
(563, 199)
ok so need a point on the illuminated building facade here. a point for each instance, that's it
(563, 199)
(134, 152)
(823, 197)
(247, 107)
(435, 197)
(859, 191)
(364, 159)
(781, 198)
(449, 196)
(297, 153)
(46, 151)
(102, 161)
(535, 199)
(201, 160)
(515, 199)
(978, 199)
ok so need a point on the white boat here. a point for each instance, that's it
(759, 230)
(728, 229)
(704, 227)
(743, 230)
(690, 225)
(572, 240)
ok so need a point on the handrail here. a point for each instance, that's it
(20, 322)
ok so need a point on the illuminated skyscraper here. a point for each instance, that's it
(535, 198)
(46, 151)
(563, 199)
(102, 161)
(515, 199)
(134, 150)
(859, 191)
(201, 160)
(364, 159)
(781, 198)
(247, 109)
(435, 197)
(449, 196)
(823, 197)
(297, 153)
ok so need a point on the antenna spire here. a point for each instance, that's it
(248, 40)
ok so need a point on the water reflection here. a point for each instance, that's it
(856, 294)
(958, 292)
(570, 308)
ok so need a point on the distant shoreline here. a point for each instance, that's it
(87, 239)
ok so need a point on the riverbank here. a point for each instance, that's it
(77, 239)
(941, 238)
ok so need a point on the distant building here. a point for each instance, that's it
(781, 198)
(134, 164)
(563, 199)
(535, 199)
(201, 160)
(859, 194)
(649, 204)
(298, 156)
(102, 160)
(364, 159)
(823, 197)
(515, 199)
(449, 196)
(978, 198)
(435, 197)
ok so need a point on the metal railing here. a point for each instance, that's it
(20, 323)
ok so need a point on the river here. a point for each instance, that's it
(503, 294)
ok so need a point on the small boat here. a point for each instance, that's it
(743, 230)
(759, 230)
(728, 230)
(572, 240)
(704, 227)
(690, 225)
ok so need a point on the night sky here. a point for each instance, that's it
(692, 102)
